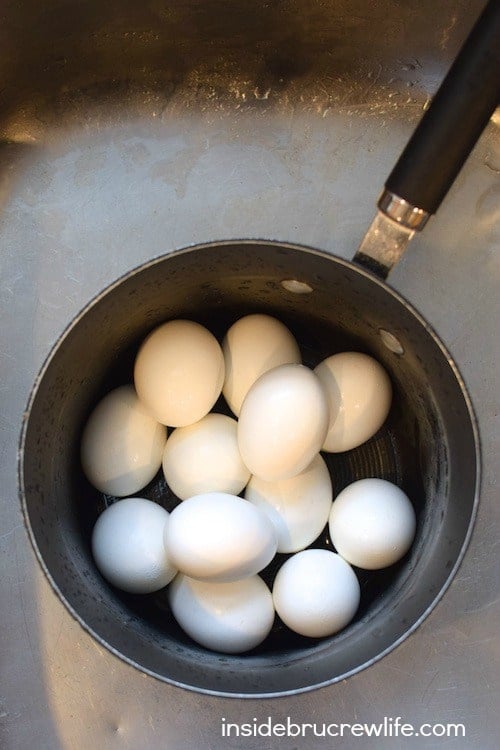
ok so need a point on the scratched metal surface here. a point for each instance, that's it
(287, 131)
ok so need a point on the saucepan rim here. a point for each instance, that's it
(228, 243)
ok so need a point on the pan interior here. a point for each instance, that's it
(387, 455)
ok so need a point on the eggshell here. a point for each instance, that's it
(283, 422)
(179, 372)
(252, 346)
(359, 396)
(122, 444)
(227, 617)
(372, 523)
(219, 537)
(128, 546)
(204, 457)
(298, 507)
(316, 593)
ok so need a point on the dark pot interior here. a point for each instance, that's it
(428, 446)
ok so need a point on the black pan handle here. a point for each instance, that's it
(453, 122)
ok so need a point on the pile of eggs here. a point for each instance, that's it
(212, 546)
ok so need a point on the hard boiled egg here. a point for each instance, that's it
(359, 396)
(122, 444)
(228, 617)
(128, 546)
(204, 457)
(179, 372)
(372, 523)
(298, 507)
(316, 593)
(283, 422)
(252, 346)
(219, 537)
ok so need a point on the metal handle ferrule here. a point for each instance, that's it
(402, 212)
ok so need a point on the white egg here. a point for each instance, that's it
(219, 537)
(372, 523)
(179, 372)
(122, 444)
(283, 422)
(252, 346)
(359, 396)
(228, 617)
(204, 457)
(298, 507)
(316, 593)
(128, 546)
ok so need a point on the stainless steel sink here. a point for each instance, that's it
(128, 129)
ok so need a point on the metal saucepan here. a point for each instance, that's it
(429, 444)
